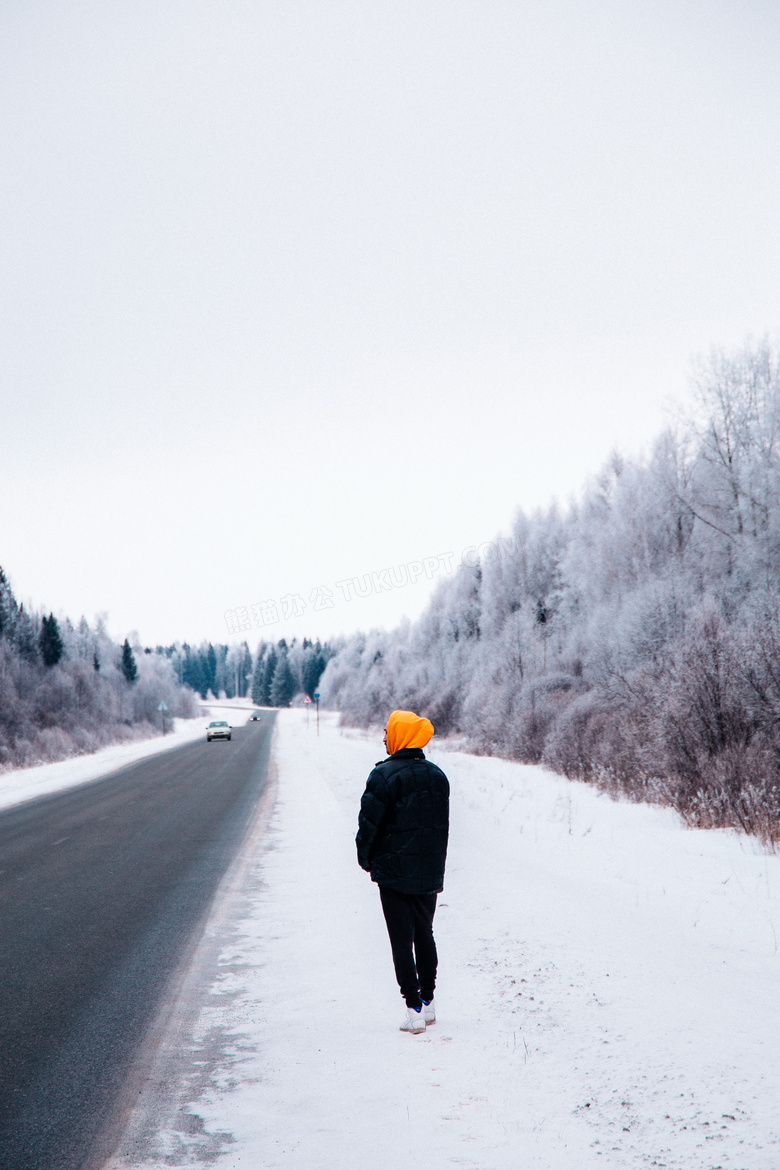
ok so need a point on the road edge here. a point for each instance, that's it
(163, 1081)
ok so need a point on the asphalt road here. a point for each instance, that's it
(101, 889)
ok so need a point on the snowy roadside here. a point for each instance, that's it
(607, 994)
(22, 784)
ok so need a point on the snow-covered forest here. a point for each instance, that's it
(283, 672)
(68, 689)
(631, 639)
(276, 674)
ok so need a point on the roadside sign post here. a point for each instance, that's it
(162, 709)
(317, 701)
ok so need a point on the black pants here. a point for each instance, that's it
(409, 919)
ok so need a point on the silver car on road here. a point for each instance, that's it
(218, 730)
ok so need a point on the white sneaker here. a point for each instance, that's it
(429, 1011)
(414, 1022)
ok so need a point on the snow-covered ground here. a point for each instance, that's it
(608, 991)
(28, 783)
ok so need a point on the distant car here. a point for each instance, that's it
(218, 730)
(255, 716)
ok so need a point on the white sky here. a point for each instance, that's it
(291, 292)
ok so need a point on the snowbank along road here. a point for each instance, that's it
(102, 887)
(607, 992)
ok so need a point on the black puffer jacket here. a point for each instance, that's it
(404, 824)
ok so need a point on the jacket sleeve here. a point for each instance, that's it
(373, 810)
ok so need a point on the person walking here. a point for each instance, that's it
(403, 828)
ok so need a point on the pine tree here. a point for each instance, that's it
(257, 683)
(192, 672)
(50, 641)
(129, 668)
(269, 667)
(313, 669)
(283, 685)
(258, 695)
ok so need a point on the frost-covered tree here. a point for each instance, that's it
(283, 682)
(8, 606)
(244, 670)
(55, 702)
(632, 639)
(26, 633)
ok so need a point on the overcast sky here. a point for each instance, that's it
(292, 292)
